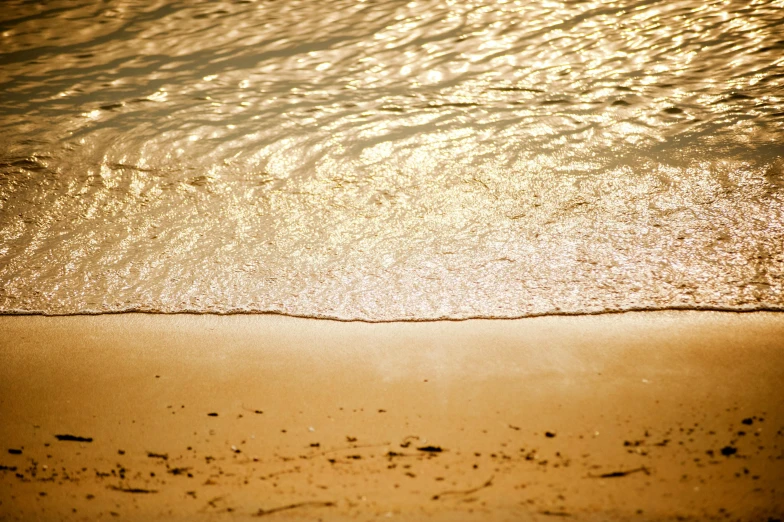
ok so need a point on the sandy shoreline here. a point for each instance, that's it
(650, 416)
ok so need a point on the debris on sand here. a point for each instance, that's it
(132, 490)
(392, 454)
(162, 456)
(406, 442)
(616, 474)
(431, 449)
(73, 438)
(313, 503)
(487, 484)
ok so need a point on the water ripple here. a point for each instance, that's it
(391, 160)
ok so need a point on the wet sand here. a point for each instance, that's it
(643, 416)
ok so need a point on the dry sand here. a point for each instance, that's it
(643, 416)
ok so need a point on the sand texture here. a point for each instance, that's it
(638, 416)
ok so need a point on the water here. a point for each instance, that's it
(390, 160)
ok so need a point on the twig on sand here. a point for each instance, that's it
(132, 490)
(73, 438)
(346, 448)
(487, 484)
(162, 456)
(616, 474)
(312, 503)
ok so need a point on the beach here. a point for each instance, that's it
(426, 260)
(668, 415)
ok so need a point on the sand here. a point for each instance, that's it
(644, 416)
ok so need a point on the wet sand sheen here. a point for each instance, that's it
(651, 416)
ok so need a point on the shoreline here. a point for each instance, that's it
(595, 417)
(445, 319)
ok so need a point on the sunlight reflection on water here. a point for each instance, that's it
(391, 160)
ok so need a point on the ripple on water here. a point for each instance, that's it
(388, 160)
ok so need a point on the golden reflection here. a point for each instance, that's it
(385, 160)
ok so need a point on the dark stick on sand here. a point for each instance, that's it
(313, 503)
(73, 438)
(487, 484)
(616, 474)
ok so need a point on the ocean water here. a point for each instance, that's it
(391, 160)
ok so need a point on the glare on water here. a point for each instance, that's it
(385, 160)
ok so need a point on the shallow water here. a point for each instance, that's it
(389, 160)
